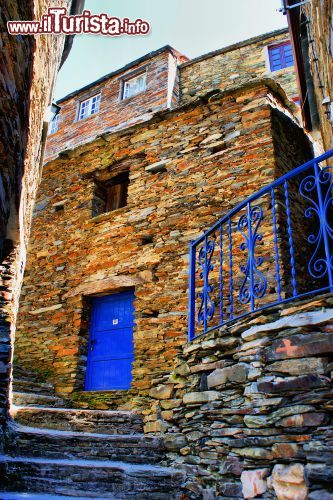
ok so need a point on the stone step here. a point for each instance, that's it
(90, 479)
(101, 421)
(32, 399)
(131, 448)
(22, 373)
(40, 496)
(27, 386)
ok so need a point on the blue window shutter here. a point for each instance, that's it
(280, 56)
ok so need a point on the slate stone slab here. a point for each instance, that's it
(299, 346)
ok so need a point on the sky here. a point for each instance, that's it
(193, 27)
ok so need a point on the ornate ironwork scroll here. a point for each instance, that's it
(317, 189)
(207, 306)
(254, 284)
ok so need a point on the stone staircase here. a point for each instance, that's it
(58, 452)
(28, 391)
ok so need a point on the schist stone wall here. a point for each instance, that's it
(161, 92)
(171, 80)
(248, 411)
(319, 15)
(216, 151)
(28, 68)
(235, 65)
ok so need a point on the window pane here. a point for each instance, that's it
(83, 113)
(95, 107)
(141, 83)
(126, 89)
(54, 125)
(134, 86)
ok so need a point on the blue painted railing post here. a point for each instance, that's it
(251, 246)
(290, 239)
(191, 294)
(221, 273)
(231, 283)
(276, 247)
(205, 273)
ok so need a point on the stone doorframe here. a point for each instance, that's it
(84, 293)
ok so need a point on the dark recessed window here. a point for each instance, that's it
(280, 56)
(110, 195)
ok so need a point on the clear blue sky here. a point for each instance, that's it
(193, 27)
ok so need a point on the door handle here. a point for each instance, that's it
(92, 343)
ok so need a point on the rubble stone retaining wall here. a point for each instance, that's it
(248, 409)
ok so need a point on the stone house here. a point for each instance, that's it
(124, 177)
(138, 165)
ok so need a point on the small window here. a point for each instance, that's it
(280, 56)
(134, 86)
(89, 106)
(110, 195)
(54, 125)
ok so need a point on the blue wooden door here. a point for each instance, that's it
(110, 348)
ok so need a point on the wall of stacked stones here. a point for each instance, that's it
(235, 65)
(247, 412)
(28, 68)
(292, 149)
(207, 147)
(320, 35)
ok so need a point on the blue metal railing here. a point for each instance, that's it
(275, 246)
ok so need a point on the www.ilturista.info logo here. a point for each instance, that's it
(58, 22)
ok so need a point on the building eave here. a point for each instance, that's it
(146, 57)
(235, 46)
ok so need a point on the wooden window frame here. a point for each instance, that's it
(112, 194)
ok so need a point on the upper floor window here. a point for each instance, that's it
(280, 56)
(54, 125)
(89, 106)
(134, 85)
